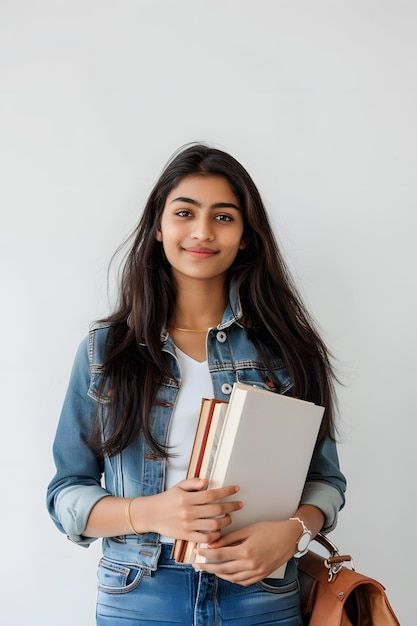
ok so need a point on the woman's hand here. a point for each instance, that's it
(247, 555)
(182, 511)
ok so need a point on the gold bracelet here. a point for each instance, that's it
(128, 516)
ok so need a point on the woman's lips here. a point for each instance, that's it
(200, 253)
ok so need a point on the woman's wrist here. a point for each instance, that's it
(108, 518)
(141, 514)
(128, 515)
(311, 516)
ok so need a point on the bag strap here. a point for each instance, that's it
(335, 561)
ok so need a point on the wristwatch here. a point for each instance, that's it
(303, 540)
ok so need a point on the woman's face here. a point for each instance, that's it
(201, 227)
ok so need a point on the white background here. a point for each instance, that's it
(318, 101)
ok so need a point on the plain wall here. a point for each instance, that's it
(318, 101)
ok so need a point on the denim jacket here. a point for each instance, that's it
(137, 470)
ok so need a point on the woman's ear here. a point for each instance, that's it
(242, 244)
(158, 235)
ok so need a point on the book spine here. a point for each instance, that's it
(180, 545)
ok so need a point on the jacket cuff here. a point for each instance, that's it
(73, 505)
(326, 498)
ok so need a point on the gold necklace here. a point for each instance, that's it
(189, 330)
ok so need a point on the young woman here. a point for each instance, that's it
(205, 300)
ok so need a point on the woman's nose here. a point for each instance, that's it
(202, 229)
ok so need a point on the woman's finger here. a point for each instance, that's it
(192, 484)
(208, 496)
(219, 508)
(228, 568)
(228, 539)
(218, 555)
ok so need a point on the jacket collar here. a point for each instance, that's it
(233, 311)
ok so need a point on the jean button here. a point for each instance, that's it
(221, 336)
(226, 389)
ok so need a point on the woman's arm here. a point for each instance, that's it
(76, 486)
(325, 484)
(312, 517)
(180, 512)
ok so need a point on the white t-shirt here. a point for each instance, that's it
(196, 384)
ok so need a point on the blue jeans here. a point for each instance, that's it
(176, 594)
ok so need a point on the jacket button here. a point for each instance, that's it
(226, 389)
(221, 336)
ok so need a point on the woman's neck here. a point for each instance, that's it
(199, 304)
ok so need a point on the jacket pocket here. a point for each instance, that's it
(263, 380)
(102, 396)
(117, 578)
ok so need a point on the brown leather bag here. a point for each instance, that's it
(334, 595)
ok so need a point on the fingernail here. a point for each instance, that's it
(237, 488)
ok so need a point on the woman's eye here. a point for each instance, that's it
(224, 218)
(181, 213)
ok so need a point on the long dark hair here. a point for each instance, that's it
(274, 314)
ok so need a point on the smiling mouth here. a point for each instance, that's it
(200, 252)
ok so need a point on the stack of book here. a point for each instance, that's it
(261, 441)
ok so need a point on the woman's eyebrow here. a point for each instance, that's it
(217, 205)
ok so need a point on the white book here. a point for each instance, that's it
(265, 446)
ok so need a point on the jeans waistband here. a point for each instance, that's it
(161, 555)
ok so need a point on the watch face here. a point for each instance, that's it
(303, 541)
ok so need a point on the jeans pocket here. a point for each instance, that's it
(275, 585)
(115, 577)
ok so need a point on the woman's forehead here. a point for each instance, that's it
(204, 189)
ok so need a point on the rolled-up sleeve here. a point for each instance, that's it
(325, 485)
(76, 486)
